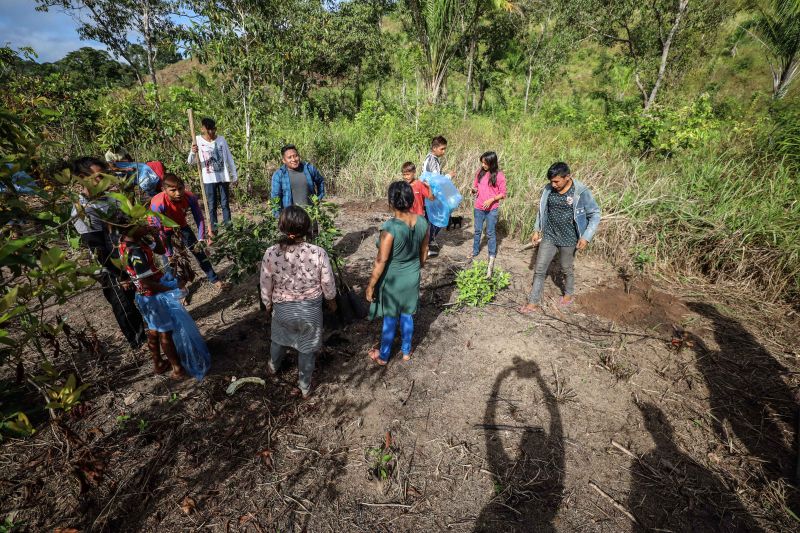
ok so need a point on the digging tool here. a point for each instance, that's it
(200, 172)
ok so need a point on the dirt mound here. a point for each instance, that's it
(643, 306)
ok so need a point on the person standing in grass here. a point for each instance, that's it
(175, 202)
(489, 187)
(567, 220)
(433, 163)
(219, 170)
(295, 277)
(296, 181)
(421, 190)
(393, 288)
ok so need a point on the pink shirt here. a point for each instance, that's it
(486, 191)
(298, 272)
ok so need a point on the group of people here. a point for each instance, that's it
(296, 277)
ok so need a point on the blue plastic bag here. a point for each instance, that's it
(446, 198)
(146, 177)
(189, 343)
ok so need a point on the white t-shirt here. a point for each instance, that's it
(216, 160)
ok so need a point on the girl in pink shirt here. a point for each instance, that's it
(489, 187)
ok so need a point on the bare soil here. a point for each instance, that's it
(664, 407)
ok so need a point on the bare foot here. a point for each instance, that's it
(177, 373)
(529, 309)
(566, 300)
(221, 285)
(375, 355)
(160, 367)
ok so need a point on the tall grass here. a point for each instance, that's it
(711, 211)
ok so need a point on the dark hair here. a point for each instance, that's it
(83, 165)
(490, 158)
(294, 223)
(438, 141)
(558, 169)
(401, 195)
(288, 147)
(208, 123)
(408, 166)
(169, 177)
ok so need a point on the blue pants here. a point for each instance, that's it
(490, 218)
(389, 331)
(223, 190)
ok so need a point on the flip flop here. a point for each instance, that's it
(563, 303)
(375, 355)
(525, 311)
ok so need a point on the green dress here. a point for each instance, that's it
(397, 292)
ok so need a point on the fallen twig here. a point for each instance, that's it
(506, 427)
(618, 506)
(410, 390)
(398, 505)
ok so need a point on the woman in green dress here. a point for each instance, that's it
(394, 286)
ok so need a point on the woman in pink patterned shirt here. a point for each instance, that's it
(295, 276)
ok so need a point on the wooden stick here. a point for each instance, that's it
(506, 427)
(398, 505)
(618, 506)
(209, 229)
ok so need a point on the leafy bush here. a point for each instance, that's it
(475, 289)
(246, 238)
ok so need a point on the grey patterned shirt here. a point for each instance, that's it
(560, 228)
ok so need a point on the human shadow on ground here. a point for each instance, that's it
(351, 242)
(672, 492)
(529, 486)
(746, 391)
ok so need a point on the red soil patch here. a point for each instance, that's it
(643, 306)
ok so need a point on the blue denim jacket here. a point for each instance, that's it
(282, 187)
(585, 209)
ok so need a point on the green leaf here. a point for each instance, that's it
(14, 245)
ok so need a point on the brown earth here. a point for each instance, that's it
(667, 400)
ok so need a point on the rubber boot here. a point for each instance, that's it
(159, 365)
(168, 346)
(490, 269)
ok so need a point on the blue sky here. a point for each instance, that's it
(52, 34)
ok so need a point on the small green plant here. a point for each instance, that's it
(475, 289)
(642, 258)
(142, 425)
(383, 463)
(173, 397)
(17, 424)
(122, 420)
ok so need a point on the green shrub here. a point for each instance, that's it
(475, 289)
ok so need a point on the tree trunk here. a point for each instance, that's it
(147, 33)
(528, 84)
(471, 62)
(358, 89)
(483, 87)
(682, 7)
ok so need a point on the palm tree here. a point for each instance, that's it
(441, 26)
(777, 27)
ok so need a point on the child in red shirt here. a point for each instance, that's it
(421, 190)
(174, 203)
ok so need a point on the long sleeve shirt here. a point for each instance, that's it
(296, 272)
(176, 211)
(216, 160)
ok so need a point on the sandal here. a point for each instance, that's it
(525, 310)
(375, 355)
(563, 302)
(407, 356)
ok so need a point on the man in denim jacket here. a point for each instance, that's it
(567, 220)
(296, 181)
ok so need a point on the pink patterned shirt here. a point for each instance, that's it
(297, 272)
